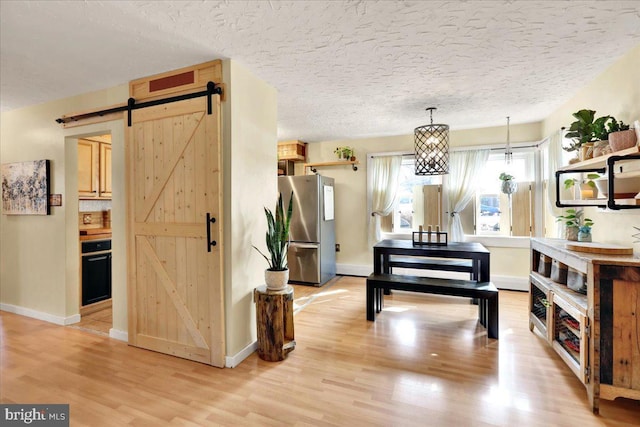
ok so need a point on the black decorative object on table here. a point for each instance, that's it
(431, 238)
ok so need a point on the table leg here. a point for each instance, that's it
(371, 290)
(387, 270)
(493, 327)
(485, 268)
(377, 262)
(475, 275)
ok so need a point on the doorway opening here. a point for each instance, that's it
(94, 232)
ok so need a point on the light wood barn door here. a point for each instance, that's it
(174, 180)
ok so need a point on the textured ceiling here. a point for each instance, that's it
(342, 69)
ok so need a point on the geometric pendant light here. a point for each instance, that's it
(431, 148)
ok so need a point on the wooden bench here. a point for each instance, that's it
(485, 292)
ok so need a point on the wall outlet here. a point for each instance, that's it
(337, 247)
(86, 218)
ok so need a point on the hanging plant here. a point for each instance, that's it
(509, 185)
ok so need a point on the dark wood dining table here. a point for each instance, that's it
(474, 251)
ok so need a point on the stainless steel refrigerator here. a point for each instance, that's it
(312, 247)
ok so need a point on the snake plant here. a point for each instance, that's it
(277, 236)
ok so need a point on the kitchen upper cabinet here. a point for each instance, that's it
(88, 168)
(94, 168)
(105, 170)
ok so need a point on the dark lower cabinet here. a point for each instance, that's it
(96, 278)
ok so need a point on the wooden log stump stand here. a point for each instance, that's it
(274, 321)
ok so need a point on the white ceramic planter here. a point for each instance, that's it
(276, 280)
(509, 186)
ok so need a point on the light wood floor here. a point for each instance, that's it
(98, 322)
(423, 362)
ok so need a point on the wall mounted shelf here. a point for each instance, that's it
(602, 165)
(314, 166)
(598, 162)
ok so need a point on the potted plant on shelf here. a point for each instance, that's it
(509, 185)
(584, 233)
(573, 221)
(584, 131)
(620, 136)
(344, 153)
(277, 239)
(588, 189)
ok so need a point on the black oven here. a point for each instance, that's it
(96, 271)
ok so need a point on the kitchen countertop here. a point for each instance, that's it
(95, 234)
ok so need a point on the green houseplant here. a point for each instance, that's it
(585, 129)
(344, 153)
(602, 132)
(573, 220)
(277, 241)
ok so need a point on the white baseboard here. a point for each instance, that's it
(119, 335)
(236, 359)
(353, 270)
(515, 283)
(40, 315)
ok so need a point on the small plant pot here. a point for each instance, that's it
(622, 140)
(588, 192)
(276, 280)
(509, 186)
(601, 148)
(571, 233)
(584, 236)
(586, 151)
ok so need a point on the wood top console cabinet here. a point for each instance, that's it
(596, 331)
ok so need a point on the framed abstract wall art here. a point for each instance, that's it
(25, 188)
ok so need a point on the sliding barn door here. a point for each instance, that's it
(175, 277)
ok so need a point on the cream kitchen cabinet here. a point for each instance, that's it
(94, 168)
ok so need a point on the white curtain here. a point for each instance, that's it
(554, 154)
(385, 171)
(464, 167)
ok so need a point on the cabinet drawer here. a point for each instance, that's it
(96, 246)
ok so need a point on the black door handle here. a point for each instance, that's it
(210, 243)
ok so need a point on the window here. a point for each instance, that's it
(494, 212)
(408, 212)
(491, 213)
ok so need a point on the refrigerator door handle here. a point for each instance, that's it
(305, 245)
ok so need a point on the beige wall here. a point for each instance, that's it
(615, 92)
(250, 183)
(39, 254)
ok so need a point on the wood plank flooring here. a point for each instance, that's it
(99, 322)
(425, 361)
